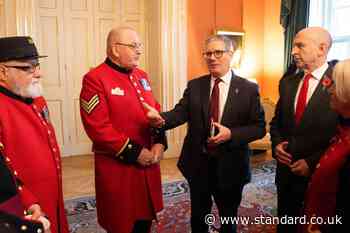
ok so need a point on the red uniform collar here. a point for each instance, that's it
(15, 96)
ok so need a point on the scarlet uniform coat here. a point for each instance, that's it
(115, 120)
(30, 143)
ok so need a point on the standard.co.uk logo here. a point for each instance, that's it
(210, 219)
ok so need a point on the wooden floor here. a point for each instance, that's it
(78, 173)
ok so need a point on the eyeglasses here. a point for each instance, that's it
(217, 54)
(28, 69)
(133, 46)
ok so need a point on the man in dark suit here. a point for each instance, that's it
(303, 123)
(224, 114)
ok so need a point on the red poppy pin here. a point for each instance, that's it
(327, 82)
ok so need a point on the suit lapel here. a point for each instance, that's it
(205, 93)
(314, 106)
(230, 104)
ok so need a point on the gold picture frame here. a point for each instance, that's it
(238, 38)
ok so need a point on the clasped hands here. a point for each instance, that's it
(156, 120)
(154, 155)
(299, 167)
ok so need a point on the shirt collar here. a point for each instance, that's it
(226, 78)
(318, 73)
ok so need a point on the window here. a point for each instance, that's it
(334, 16)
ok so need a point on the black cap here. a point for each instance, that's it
(18, 48)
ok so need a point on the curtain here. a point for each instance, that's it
(294, 17)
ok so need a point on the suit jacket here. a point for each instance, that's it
(242, 114)
(311, 137)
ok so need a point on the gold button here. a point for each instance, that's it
(20, 188)
(39, 231)
(15, 172)
(24, 227)
(8, 159)
(318, 165)
(129, 146)
(121, 157)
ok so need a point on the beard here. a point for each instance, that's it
(33, 90)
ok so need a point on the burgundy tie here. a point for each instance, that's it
(301, 104)
(214, 101)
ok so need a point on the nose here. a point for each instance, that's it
(37, 73)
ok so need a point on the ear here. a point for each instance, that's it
(3, 72)
(115, 51)
(323, 48)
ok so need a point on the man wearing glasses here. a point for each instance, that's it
(224, 114)
(127, 151)
(27, 133)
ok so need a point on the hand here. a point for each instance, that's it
(34, 212)
(300, 168)
(158, 152)
(282, 155)
(223, 135)
(153, 116)
(146, 157)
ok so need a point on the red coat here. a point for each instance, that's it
(30, 143)
(115, 121)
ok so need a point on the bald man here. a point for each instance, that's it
(127, 151)
(303, 123)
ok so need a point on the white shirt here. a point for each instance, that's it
(313, 82)
(224, 87)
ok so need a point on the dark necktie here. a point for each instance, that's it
(302, 98)
(214, 101)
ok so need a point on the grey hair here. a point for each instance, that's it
(230, 45)
(341, 77)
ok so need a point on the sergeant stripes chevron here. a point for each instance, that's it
(88, 106)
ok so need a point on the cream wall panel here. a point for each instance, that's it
(106, 6)
(80, 5)
(56, 118)
(50, 47)
(80, 48)
(2, 19)
(133, 6)
(50, 4)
